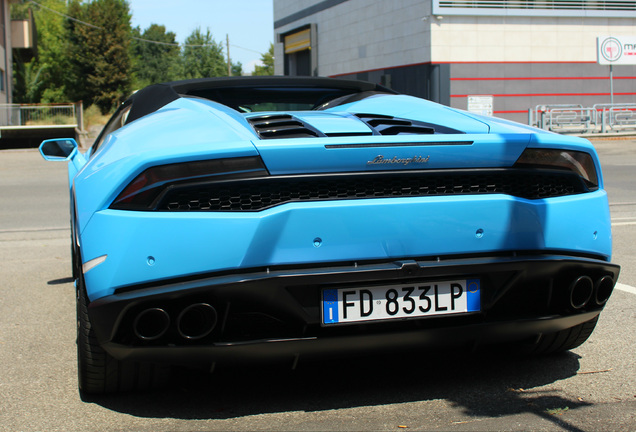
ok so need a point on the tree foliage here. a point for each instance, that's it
(88, 51)
(203, 56)
(155, 62)
(99, 54)
(237, 69)
(268, 62)
(42, 79)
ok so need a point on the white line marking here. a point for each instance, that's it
(626, 288)
(18, 230)
(622, 204)
(624, 223)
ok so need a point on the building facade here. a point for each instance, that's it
(5, 53)
(515, 54)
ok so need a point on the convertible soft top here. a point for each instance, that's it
(238, 91)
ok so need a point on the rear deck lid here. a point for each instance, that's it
(383, 153)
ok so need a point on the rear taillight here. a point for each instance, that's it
(146, 189)
(578, 162)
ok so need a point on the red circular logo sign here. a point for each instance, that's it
(611, 49)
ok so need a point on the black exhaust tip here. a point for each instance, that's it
(603, 290)
(581, 292)
(196, 321)
(151, 324)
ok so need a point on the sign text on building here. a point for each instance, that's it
(613, 50)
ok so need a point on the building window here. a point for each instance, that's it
(614, 8)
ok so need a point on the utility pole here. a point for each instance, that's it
(229, 62)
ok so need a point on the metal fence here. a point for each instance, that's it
(36, 115)
(600, 118)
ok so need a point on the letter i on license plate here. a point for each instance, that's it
(347, 305)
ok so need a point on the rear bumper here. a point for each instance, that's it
(277, 312)
(321, 347)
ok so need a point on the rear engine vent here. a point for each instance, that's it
(282, 126)
(388, 125)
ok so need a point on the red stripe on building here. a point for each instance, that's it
(516, 62)
(537, 78)
(544, 94)
(510, 112)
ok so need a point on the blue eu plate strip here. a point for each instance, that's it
(473, 301)
(330, 306)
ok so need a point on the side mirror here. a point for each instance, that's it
(62, 149)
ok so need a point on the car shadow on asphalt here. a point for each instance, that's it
(480, 385)
(61, 281)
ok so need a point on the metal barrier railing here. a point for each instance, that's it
(600, 118)
(616, 117)
(40, 115)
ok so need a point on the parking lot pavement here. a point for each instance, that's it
(591, 388)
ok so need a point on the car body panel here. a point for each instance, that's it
(348, 230)
(318, 155)
(427, 198)
(418, 109)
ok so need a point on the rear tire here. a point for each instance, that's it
(98, 371)
(563, 340)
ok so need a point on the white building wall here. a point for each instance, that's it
(521, 39)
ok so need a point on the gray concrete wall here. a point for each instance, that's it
(520, 86)
(359, 35)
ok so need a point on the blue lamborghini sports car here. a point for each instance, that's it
(267, 218)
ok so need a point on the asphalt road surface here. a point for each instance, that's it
(591, 388)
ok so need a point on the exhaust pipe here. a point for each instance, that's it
(581, 292)
(196, 321)
(151, 324)
(603, 290)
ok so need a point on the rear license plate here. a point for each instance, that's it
(350, 305)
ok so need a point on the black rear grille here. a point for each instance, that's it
(281, 126)
(275, 126)
(263, 192)
(388, 125)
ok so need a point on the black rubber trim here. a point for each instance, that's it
(408, 144)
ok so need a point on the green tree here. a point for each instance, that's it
(155, 62)
(268, 62)
(237, 69)
(41, 79)
(27, 81)
(203, 56)
(99, 52)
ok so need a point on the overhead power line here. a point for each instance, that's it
(133, 37)
(65, 16)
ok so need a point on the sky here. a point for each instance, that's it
(248, 23)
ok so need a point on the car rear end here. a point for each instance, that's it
(341, 231)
